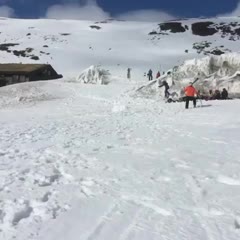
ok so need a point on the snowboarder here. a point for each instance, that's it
(190, 93)
(224, 94)
(129, 73)
(165, 84)
(150, 75)
(158, 75)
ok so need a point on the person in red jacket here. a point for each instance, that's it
(158, 75)
(191, 94)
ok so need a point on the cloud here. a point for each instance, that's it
(6, 12)
(146, 16)
(72, 10)
(235, 12)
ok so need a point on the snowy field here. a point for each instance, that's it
(84, 162)
(106, 162)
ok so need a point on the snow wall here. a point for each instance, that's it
(214, 72)
(94, 75)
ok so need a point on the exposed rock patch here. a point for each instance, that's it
(95, 27)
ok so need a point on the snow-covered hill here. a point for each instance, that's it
(72, 46)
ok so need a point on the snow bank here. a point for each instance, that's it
(219, 66)
(94, 75)
(30, 93)
(214, 72)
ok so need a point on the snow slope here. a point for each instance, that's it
(100, 164)
(72, 46)
(91, 162)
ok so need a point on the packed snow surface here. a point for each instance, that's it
(93, 162)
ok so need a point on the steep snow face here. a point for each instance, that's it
(72, 46)
(220, 66)
(214, 72)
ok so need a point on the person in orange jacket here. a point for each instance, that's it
(191, 94)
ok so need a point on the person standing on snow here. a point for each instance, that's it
(158, 75)
(224, 94)
(165, 84)
(150, 75)
(190, 93)
(129, 73)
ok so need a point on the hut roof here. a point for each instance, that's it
(18, 68)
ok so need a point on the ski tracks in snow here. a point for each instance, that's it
(128, 169)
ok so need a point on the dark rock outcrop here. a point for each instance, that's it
(173, 27)
(95, 27)
(204, 29)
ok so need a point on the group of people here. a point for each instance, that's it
(150, 75)
(191, 94)
(216, 95)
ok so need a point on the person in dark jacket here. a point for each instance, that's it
(224, 94)
(158, 75)
(129, 73)
(165, 84)
(217, 95)
(150, 75)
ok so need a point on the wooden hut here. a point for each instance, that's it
(17, 73)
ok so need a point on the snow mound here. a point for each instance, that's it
(94, 75)
(30, 93)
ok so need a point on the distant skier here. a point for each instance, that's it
(129, 73)
(165, 84)
(158, 75)
(150, 75)
(191, 94)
